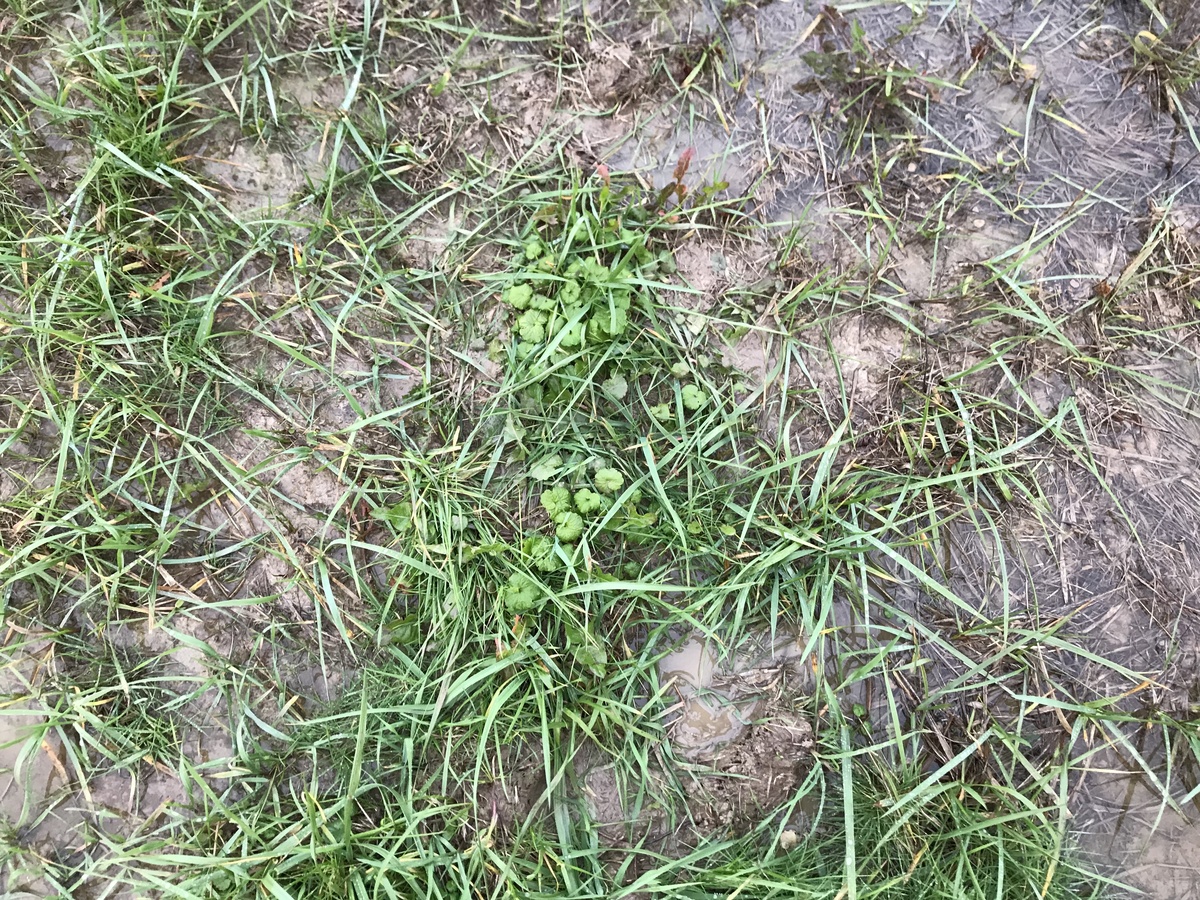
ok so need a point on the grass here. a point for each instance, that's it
(340, 541)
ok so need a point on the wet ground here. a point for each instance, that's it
(1037, 148)
(1036, 139)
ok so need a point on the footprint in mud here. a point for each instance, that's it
(754, 776)
(755, 753)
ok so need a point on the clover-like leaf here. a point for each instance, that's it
(615, 386)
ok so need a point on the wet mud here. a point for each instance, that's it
(927, 150)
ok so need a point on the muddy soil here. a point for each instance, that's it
(1036, 126)
(1060, 119)
(753, 776)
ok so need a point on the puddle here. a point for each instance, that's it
(719, 698)
(1124, 823)
(52, 805)
(30, 774)
(735, 718)
(36, 796)
(704, 717)
(995, 144)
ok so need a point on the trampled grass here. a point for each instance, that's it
(342, 539)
